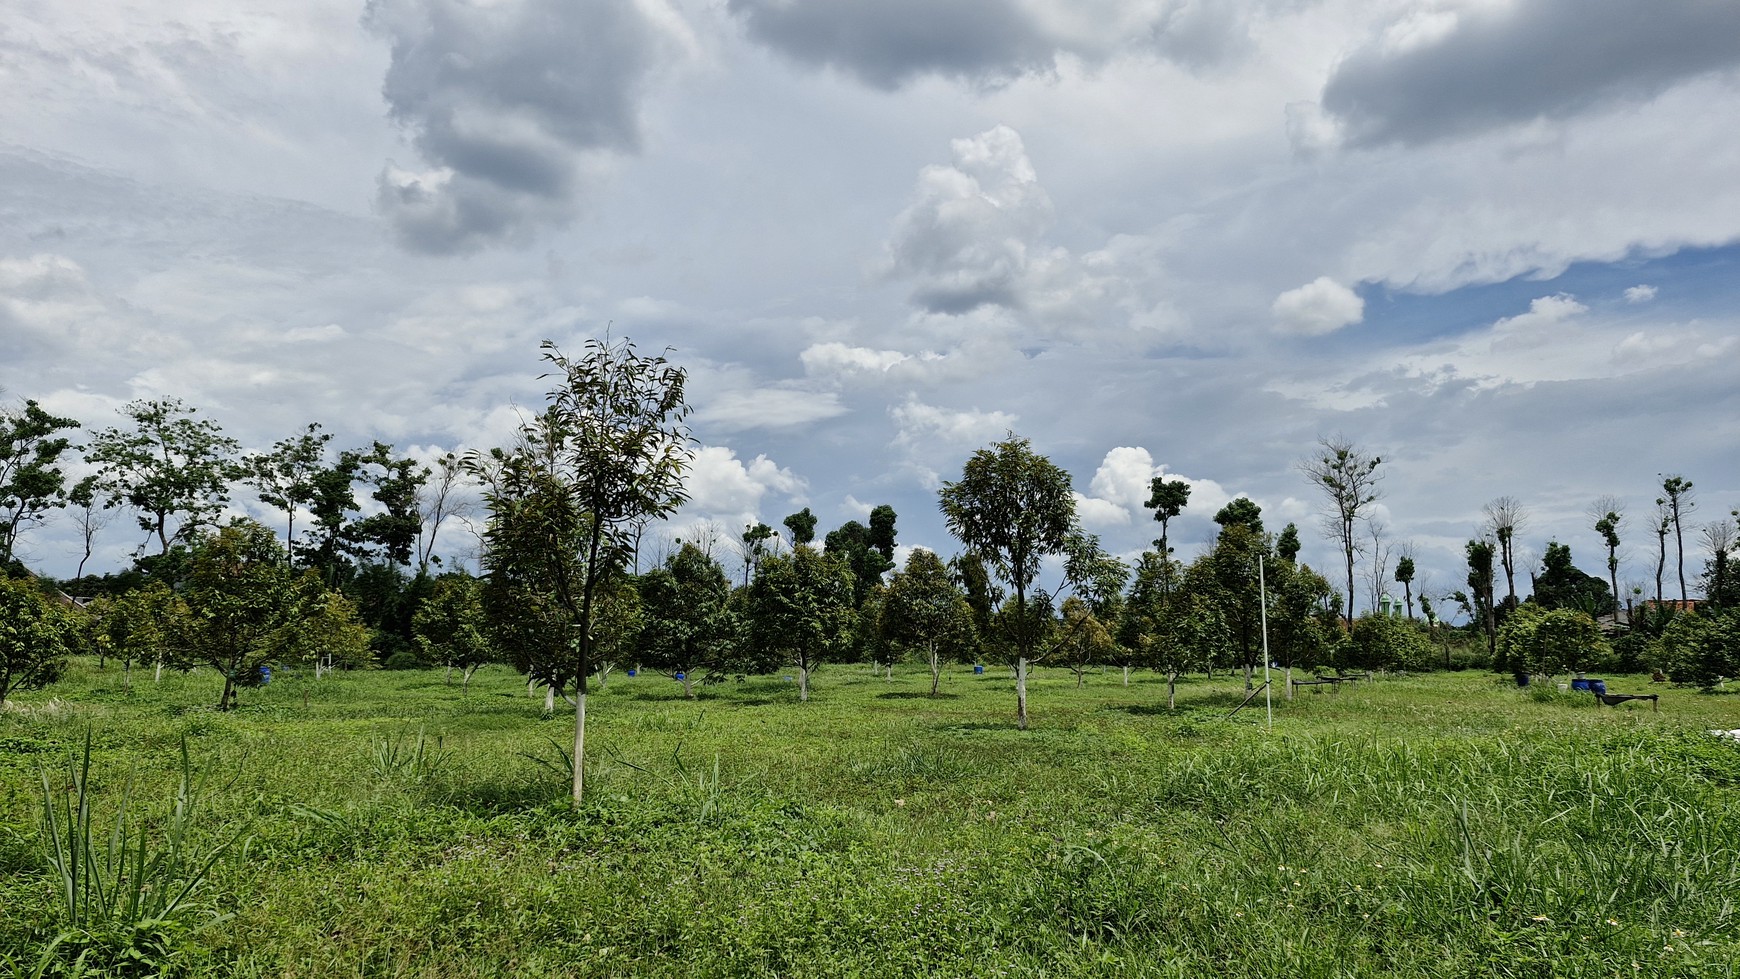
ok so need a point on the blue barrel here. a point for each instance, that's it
(631, 672)
(265, 675)
(1598, 687)
(1580, 683)
(682, 676)
(977, 668)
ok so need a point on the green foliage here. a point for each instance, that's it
(923, 610)
(1167, 498)
(243, 609)
(1011, 508)
(169, 466)
(688, 625)
(36, 636)
(32, 482)
(1701, 650)
(450, 627)
(800, 605)
(1383, 642)
(802, 526)
(1560, 585)
(866, 552)
(1551, 641)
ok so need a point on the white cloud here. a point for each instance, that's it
(720, 484)
(921, 423)
(1640, 294)
(1318, 307)
(839, 358)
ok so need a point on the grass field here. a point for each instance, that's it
(1441, 825)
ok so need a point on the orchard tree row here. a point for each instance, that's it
(566, 506)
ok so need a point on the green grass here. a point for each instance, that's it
(1440, 825)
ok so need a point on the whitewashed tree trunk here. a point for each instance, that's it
(448, 676)
(1126, 674)
(935, 670)
(466, 683)
(159, 677)
(803, 683)
(579, 745)
(688, 686)
(1289, 682)
(1172, 691)
(1021, 692)
(550, 699)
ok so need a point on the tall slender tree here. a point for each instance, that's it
(1405, 576)
(1167, 498)
(1608, 513)
(283, 477)
(1505, 517)
(1677, 497)
(1348, 477)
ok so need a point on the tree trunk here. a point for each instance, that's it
(127, 674)
(688, 686)
(448, 677)
(229, 693)
(1080, 678)
(1289, 681)
(1126, 674)
(803, 683)
(1172, 690)
(465, 685)
(935, 671)
(159, 677)
(1021, 692)
(550, 699)
(1249, 683)
(580, 743)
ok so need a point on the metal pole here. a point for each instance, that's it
(1263, 593)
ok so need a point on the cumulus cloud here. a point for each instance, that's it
(516, 107)
(1122, 484)
(1540, 324)
(1318, 307)
(888, 43)
(1640, 294)
(1449, 69)
(920, 423)
(719, 483)
(965, 240)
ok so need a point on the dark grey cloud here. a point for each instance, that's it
(1452, 71)
(888, 43)
(513, 106)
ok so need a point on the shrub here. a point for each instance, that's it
(1382, 642)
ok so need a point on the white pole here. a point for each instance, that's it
(1263, 593)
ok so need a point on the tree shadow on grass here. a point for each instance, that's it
(916, 695)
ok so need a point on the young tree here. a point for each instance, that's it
(1348, 479)
(623, 451)
(801, 604)
(31, 480)
(1083, 639)
(1287, 545)
(1012, 507)
(450, 627)
(1505, 516)
(36, 636)
(688, 626)
(241, 608)
(133, 627)
(923, 608)
(284, 476)
(1677, 497)
(1552, 641)
(89, 519)
(1609, 514)
(170, 467)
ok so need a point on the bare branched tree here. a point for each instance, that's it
(1348, 479)
(1504, 517)
(1677, 499)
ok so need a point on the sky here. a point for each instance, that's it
(1494, 242)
